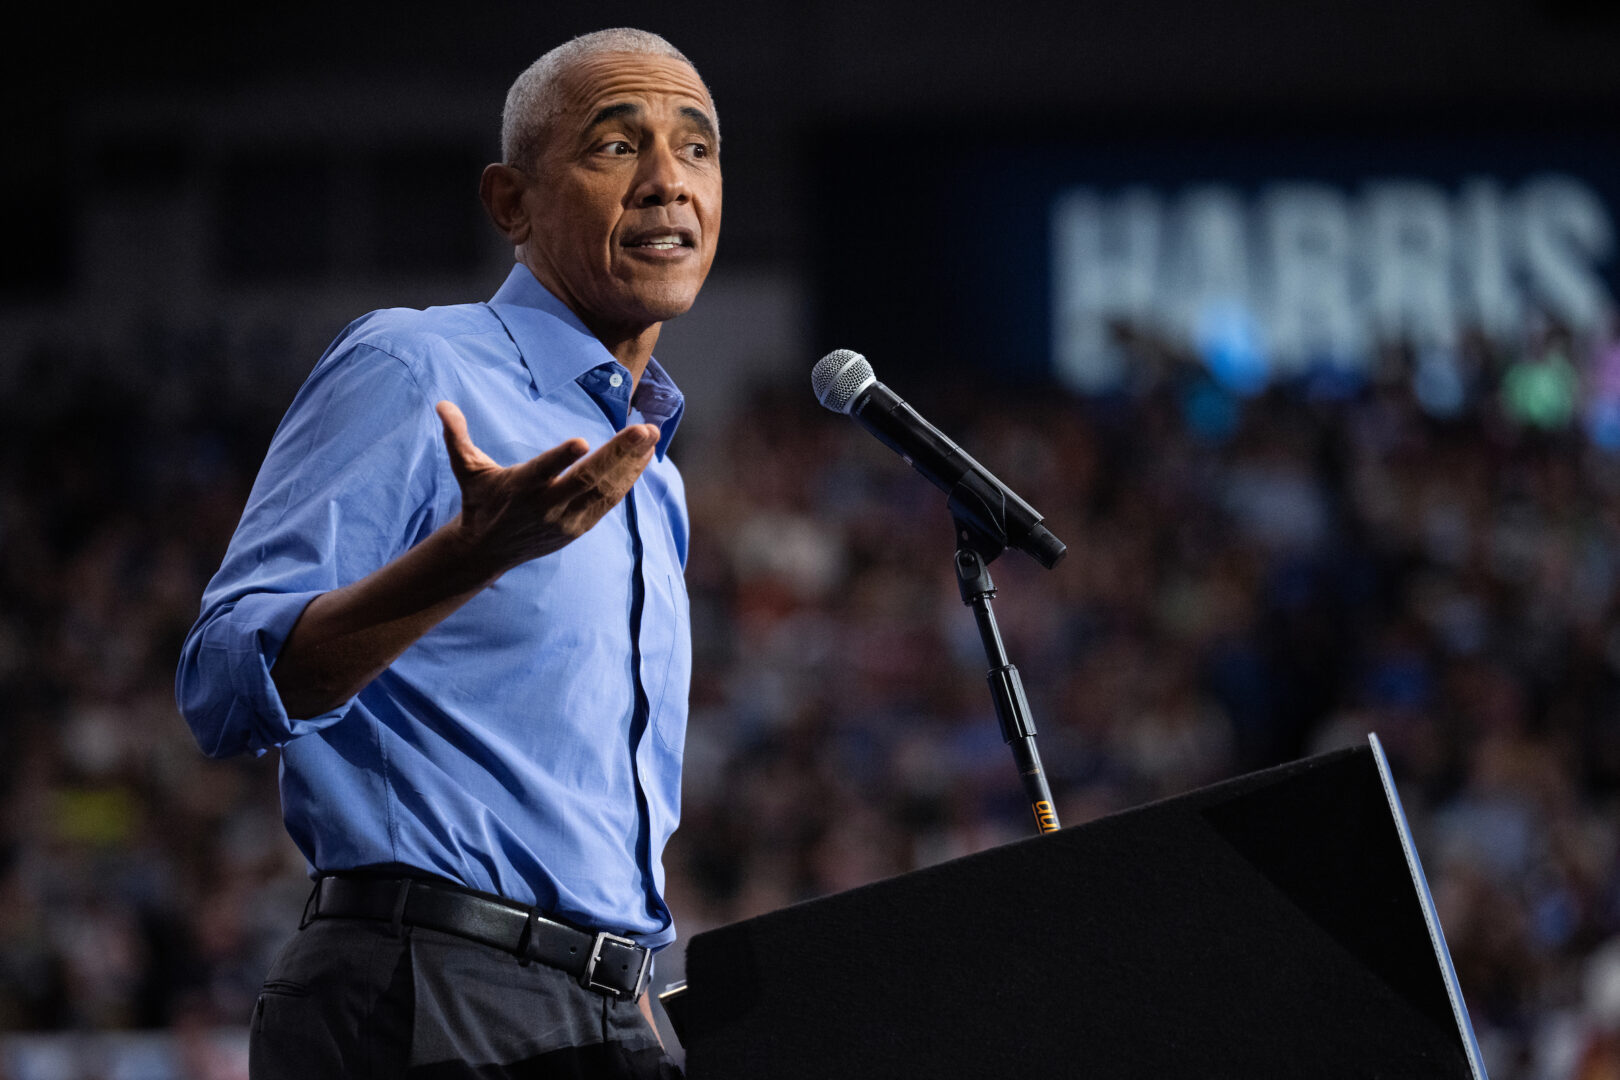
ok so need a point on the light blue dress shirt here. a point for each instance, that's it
(530, 744)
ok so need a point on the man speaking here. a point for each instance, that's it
(467, 631)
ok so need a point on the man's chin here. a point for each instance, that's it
(661, 305)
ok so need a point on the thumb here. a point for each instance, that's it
(465, 457)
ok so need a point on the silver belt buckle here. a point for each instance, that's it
(588, 978)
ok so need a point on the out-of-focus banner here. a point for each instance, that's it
(1271, 282)
(1264, 257)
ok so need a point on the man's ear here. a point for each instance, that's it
(501, 188)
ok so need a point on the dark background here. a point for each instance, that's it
(867, 145)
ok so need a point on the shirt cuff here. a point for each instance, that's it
(260, 623)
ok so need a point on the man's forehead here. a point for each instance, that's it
(604, 79)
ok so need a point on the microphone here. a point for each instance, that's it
(843, 382)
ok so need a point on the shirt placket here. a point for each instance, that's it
(609, 386)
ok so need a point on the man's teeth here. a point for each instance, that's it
(662, 243)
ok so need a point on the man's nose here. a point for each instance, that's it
(660, 180)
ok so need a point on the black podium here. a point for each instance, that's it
(1275, 925)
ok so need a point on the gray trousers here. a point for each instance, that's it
(361, 999)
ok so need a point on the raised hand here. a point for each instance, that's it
(508, 516)
(513, 514)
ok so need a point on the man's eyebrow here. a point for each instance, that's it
(700, 118)
(613, 112)
(626, 109)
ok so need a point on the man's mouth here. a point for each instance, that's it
(661, 240)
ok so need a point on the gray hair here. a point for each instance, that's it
(532, 102)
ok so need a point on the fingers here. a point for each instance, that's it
(614, 466)
(466, 458)
(564, 486)
(547, 464)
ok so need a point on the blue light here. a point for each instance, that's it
(1603, 423)
(1228, 339)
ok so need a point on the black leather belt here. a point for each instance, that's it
(606, 963)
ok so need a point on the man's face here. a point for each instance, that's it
(625, 207)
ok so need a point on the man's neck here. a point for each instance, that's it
(631, 348)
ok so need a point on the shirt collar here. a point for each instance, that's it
(660, 401)
(557, 349)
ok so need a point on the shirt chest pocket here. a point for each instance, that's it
(667, 662)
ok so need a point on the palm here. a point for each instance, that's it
(521, 512)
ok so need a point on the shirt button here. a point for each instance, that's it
(615, 380)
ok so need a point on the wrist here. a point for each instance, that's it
(470, 562)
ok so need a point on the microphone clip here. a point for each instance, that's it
(979, 512)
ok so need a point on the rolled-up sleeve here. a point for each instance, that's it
(348, 484)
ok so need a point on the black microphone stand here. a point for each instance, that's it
(981, 536)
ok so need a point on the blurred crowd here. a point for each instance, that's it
(1428, 553)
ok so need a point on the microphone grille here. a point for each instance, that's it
(839, 377)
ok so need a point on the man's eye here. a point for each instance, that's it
(618, 147)
(700, 150)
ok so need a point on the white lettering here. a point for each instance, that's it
(1409, 263)
(1311, 315)
(1320, 276)
(1565, 230)
(1104, 269)
(1208, 264)
(1485, 249)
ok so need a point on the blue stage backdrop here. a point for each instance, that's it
(1262, 256)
